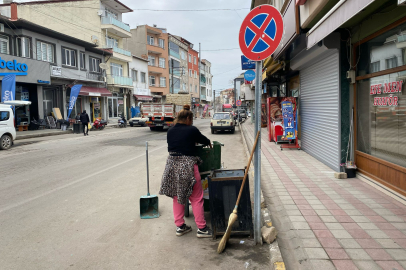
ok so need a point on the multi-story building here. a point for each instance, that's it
(52, 63)
(203, 88)
(193, 65)
(151, 42)
(100, 23)
(178, 60)
(209, 77)
(139, 75)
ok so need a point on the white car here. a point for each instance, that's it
(138, 120)
(7, 129)
(222, 121)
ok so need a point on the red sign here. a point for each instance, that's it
(238, 103)
(388, 88)
(261, 32)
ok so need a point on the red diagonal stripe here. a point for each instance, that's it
(259, 32)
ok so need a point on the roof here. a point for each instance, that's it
(114, 3)
(140, 58)
(24, 24)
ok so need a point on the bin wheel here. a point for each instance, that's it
(187, 208)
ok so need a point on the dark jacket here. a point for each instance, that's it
(182, 139)
(84, 118)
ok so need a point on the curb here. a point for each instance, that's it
(276, 259)
(23, 137)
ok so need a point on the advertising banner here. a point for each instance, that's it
(74, 92)
(8, 88)
(205, 110)
(289, 132)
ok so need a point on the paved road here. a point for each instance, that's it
(72, 202)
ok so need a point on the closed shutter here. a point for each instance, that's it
(320, 110)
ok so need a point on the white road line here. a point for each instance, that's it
(76, 181)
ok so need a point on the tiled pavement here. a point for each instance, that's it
(334, 223)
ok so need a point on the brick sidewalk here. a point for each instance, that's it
(328, 223)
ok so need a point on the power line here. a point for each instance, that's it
(216, 50)
(198, 10)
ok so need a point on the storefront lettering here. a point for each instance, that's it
(388, 88)
(13, 65)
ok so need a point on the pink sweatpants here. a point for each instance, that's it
(196, 199)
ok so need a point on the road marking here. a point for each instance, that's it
(77, 181)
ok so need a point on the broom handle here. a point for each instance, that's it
(246, 171)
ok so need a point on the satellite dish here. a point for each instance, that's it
(103, 65)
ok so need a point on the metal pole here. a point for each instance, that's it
(214, 101)
(257, 156)
(146, 154)
(200, 53)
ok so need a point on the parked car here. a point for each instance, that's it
(222, 121)
(138, 120)
(7, 129)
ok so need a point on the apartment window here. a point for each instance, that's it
(151, 60)
(194, 60)
(45, 52)
(173, 47)
(116, 69)
(195, 74)
(190, 88)
(190, 58)
(112, 42)
(209, 69)
(391, 62)
(375, 66)
(195, 88)
(151, 40)
(23, 47)
(161, 62)
(190, 73)
(162, 82)
(162, 43)
(151, 80)
(82, 60)
(183, 55)
(142, 77)
(4, 47)
(94, 64)
(135, 75)
(68, 57)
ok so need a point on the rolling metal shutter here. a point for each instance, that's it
(320, 110)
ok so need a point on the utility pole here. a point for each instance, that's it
(171, 77)
(214, 101)
(257, 156)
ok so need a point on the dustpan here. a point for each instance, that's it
(149, 203)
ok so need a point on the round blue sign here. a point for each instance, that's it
(249, 75)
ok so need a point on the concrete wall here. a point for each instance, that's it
(137, 44)
(69, 18)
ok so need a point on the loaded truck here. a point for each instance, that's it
(162, 116)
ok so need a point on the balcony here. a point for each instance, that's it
(94, 76)
(174, 54)
(120, 81)
(202, 97)
(116, 27)
(155, 69)
(120, 54)
(176, 72)
(155, 49)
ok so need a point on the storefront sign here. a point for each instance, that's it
(387, 88)
(94, 94)
(8, 88)
(74, 92)
(142, 92)
(289, 130)
(56, 71)
(247, 63)
(13, 65)
(41, 81)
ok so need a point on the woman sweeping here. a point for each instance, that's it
(181, 179)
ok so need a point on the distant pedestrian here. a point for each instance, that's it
(84, 118)
(77, 118)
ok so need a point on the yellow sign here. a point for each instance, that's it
(263, 75)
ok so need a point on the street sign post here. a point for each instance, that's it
(249, 75)
(247, 63)
(260, 35)
(238, 103)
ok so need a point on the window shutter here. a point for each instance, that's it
(39, 54)
(91, 64)
(63, 56)
(73, 58)
(50, 52)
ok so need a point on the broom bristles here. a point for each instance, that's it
(222, 245)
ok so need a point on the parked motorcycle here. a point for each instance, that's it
(99, 124)
(122, 122)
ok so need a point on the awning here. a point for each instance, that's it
(94, 92)
(337, 16)
(144, 98)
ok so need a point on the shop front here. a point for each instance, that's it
(31, 76)
(93, 100)
(380, 106)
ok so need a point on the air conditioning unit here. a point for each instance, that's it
(95, 40)
(100, 12)
(401, 2)
(1, 27)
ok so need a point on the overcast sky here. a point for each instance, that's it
(213, 29)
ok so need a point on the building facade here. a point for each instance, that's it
(152, 43)
(178, 65)
(55, 62)
(203, 88)
(139, 76)
(193, 65)
(209, 78)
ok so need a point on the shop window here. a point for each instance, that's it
(45, 52)
(162, 82)
(23, 47)
(68, 57)
(4, 47)
(4, 116)
(82, 60)
(134, 75)
(383, 52)
(151, 80)
(143, 77)
(116, 69)
(116, 105)
(94, 64)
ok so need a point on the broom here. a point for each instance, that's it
(233, 216)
